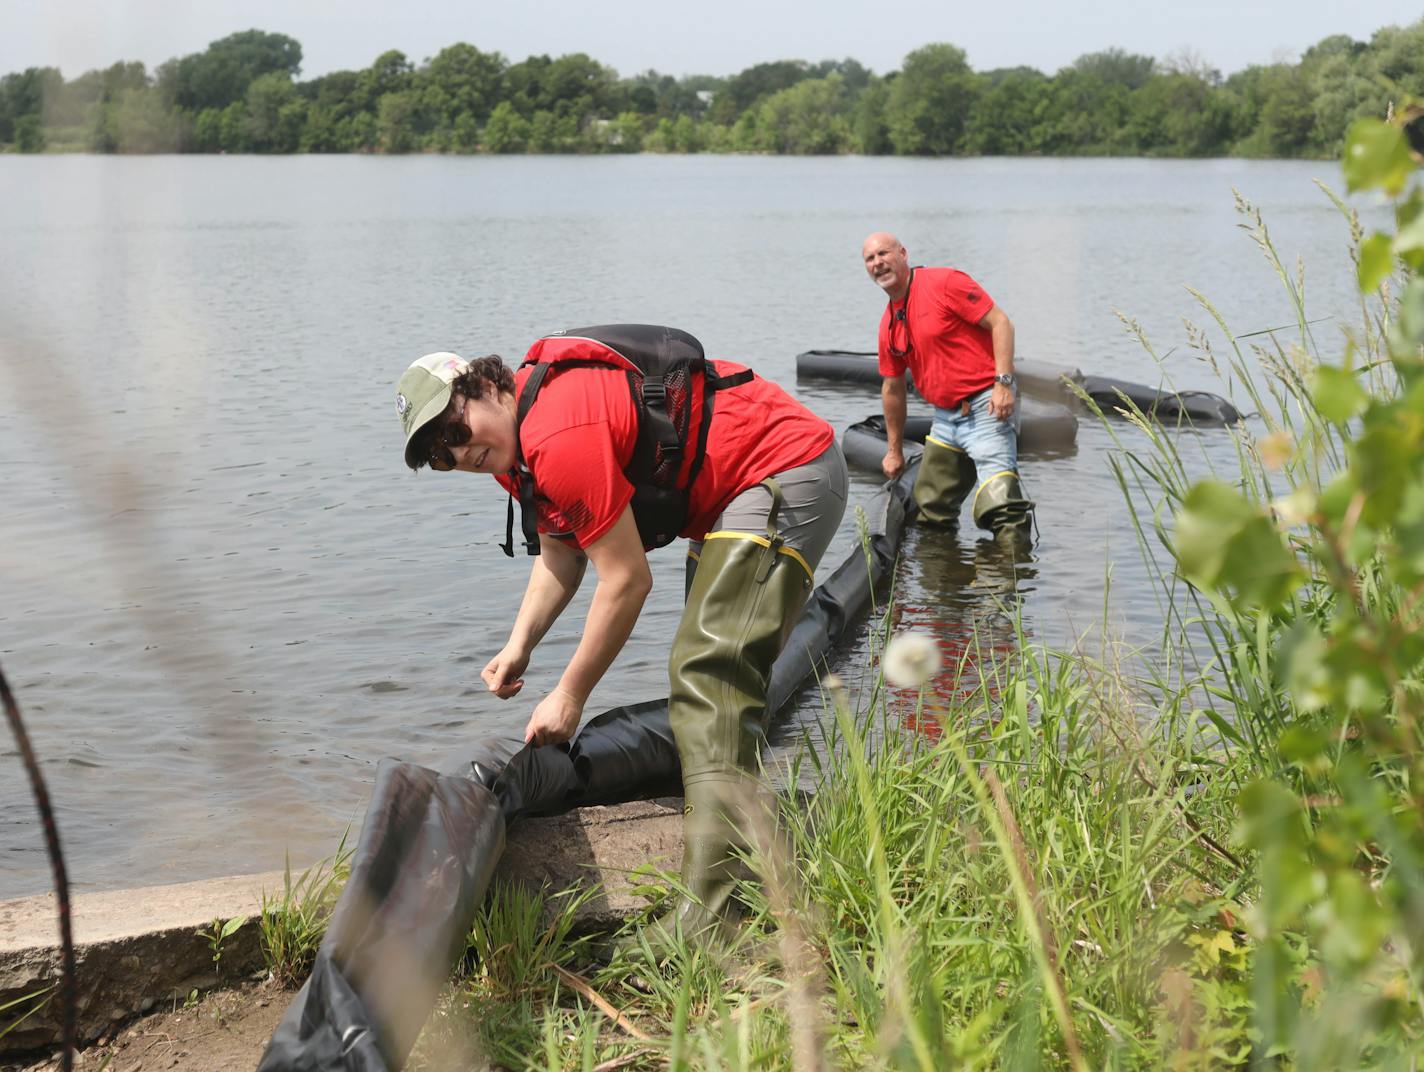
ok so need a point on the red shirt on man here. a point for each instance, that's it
(949, 355)
(579, 435)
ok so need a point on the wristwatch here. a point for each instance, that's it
(1006, 378)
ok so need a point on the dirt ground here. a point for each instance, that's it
(223, 1031)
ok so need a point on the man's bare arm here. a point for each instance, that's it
(893, 403)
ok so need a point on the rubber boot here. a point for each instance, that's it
(744, 600)
(1001, 507)
(945, 479)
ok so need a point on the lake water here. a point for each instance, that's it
(222, 596)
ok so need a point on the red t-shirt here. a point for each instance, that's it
(950, 356)
(579, 435)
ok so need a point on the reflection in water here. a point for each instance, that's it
(964, 591)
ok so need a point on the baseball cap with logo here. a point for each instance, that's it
(423, 393)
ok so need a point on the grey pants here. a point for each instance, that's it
(813, 500)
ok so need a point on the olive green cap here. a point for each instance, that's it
(423, 393)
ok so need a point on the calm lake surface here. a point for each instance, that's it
(223, 598)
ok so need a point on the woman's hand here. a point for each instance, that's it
(504, 674)
(554, 720)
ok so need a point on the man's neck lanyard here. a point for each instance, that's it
(902, 315)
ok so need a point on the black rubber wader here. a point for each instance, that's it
(744, 599)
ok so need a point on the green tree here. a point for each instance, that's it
(29, 135)
(854, 75)
(1116, 67)
(275, 114)
(868, 125)
(624, 134)
(1179, 115)
(651, 93)
(1287, 116)
(1396, 54)
(1009, 114)
(507, 131)
(395, 122)
(1341, 92)
(1087, 115)
(220, 75)
(465, 134)
(24, 94)
(743, 90)
(930, 102)
(138, 121)
(390, 73)
(552, 133)
(470, 80)
(808, 118)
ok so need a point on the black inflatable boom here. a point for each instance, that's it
(1051, 383)
(430, 840)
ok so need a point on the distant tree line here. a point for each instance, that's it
(243, 94)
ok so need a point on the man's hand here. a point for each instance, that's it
(503, 675)
(1001, 402)
(893, 464)
(554, 719)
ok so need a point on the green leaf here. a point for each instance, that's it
(1302, 663)
(1376, 157)
(1382, 463)
(1408, 244)
(1407, 331)
(1270, 816)
(1409, 209)
(1407, 559)
(1299, 744)
(1225, 543)
(1209, 512)
(1336, 392)
(1376, 261)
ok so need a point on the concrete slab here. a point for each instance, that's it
(133, 948)
(137, 948)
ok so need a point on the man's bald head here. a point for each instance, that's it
(887, 264)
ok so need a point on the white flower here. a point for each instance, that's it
(910, 659)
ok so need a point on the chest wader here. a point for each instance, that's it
(947, 475)
(945, 480)
(744, 598)
(1000, 507)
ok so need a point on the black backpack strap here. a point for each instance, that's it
(721, 383)
(522, 477)
(712, 382)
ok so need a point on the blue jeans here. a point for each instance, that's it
(992, 444)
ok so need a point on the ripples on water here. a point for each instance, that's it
(222, 597)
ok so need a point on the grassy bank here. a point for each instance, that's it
(1213, 861)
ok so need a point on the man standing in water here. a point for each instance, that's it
(941, 326)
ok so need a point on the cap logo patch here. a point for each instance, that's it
(402, 404)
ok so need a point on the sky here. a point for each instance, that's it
(717, 37)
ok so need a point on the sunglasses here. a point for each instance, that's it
(454, 432)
